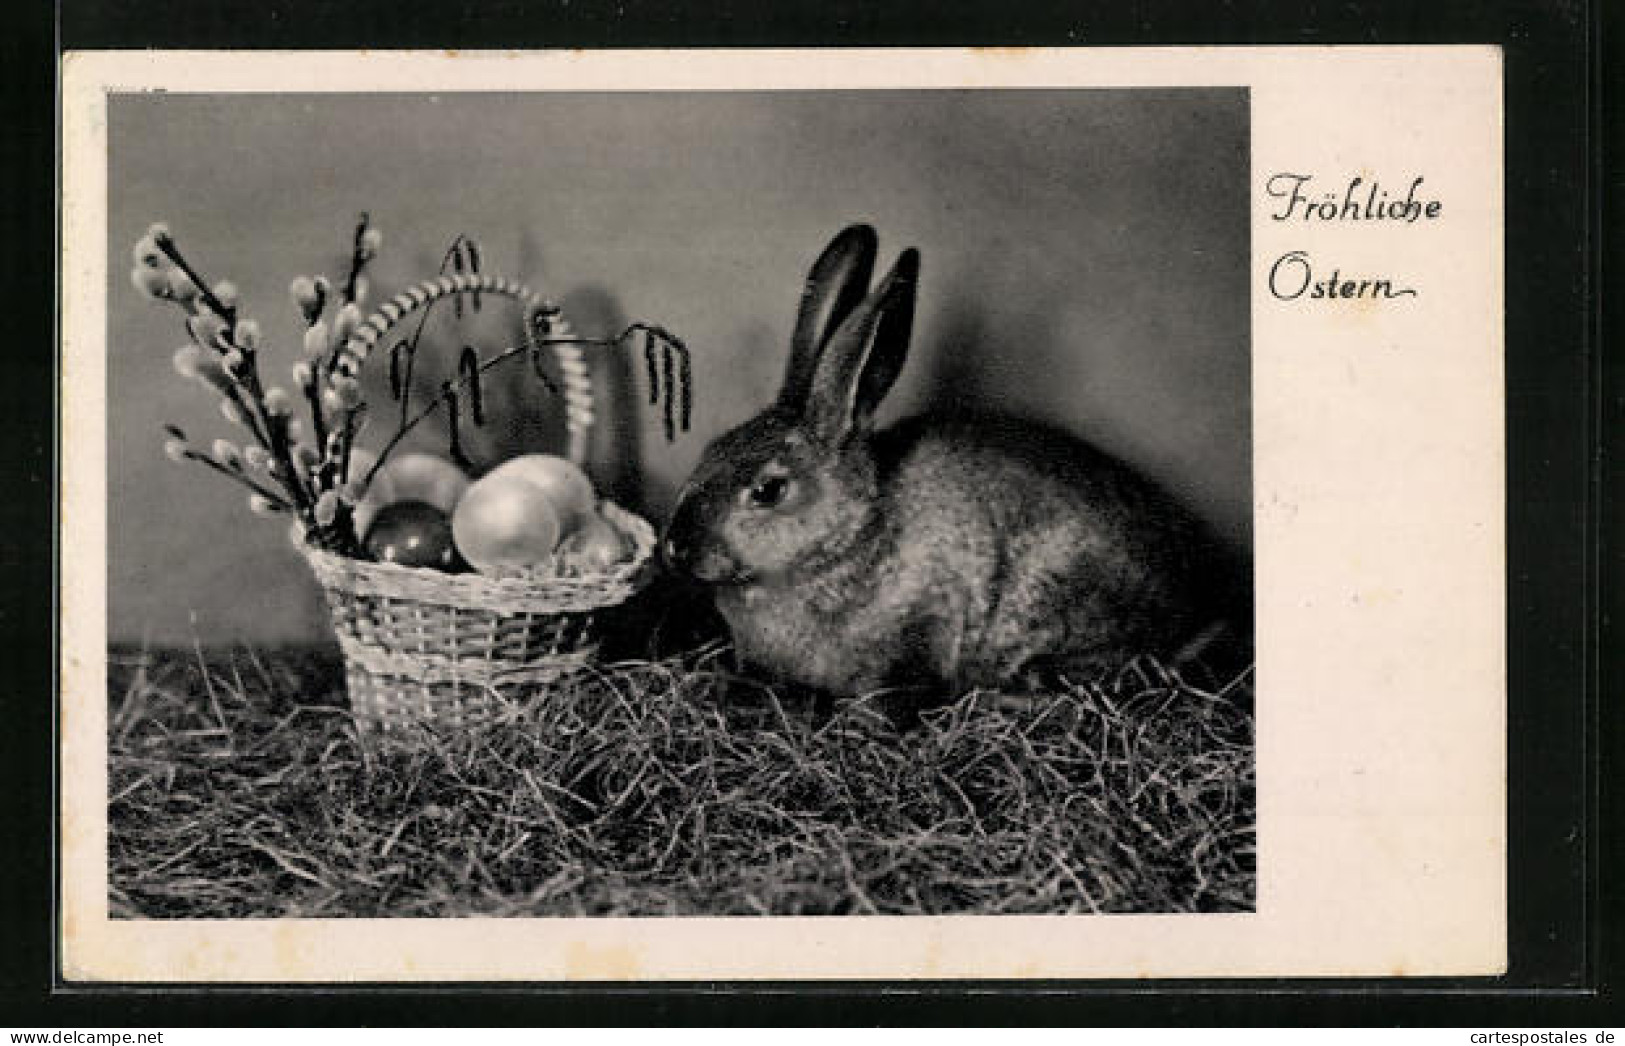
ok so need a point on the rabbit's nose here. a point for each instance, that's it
(674, 548)
(695, 558)
(677, 540)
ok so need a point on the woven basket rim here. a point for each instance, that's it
(538, 591)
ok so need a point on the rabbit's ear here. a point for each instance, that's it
(865, 355)
(836, 285)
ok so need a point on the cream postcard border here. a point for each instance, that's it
(1378, 487)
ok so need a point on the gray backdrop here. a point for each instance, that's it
(1085, 262)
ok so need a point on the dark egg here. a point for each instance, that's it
(413, 534)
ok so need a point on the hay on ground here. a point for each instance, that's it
(238, 788)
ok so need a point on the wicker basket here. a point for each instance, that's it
(426, 648)
(422, 647)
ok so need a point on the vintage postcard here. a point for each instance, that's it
(814, 514)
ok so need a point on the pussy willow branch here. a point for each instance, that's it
(678, 388)
(241, 477)
(251, 417)
(166, 243)
(313, 400)
(350, 430)
(282, 446)
(358, 257)
(358, 264)
(451, 388)
(271, 433)
(423, 319)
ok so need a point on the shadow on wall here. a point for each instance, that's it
(974, 364)
(1085, 263)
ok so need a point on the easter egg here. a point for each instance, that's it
(409, 477)
(565, 485)
(504, 523)
(595, 546)
(413, 534)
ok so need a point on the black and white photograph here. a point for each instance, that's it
(679, 504)
(556, 517)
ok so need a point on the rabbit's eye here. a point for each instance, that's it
(768, 491)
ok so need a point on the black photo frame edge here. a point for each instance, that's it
(1564, 434)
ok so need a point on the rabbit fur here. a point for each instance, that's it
(944, 551)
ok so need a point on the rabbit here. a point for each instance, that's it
(952, 552)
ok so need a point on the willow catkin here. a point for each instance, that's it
(458, 268)
(468, 366)
(454, 444)
(670, 413)
(396, 377)
(686, 383)
(650, 347)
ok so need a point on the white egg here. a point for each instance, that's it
(565, 485)
(596, 546)
(505, 523)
